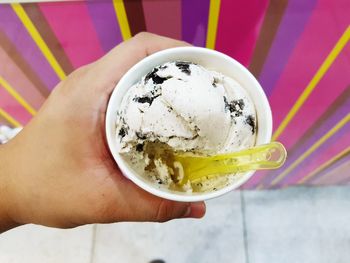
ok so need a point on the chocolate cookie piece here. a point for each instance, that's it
(153, 75)
(124, 129)
(139, 147)
(235, 107)
(146, 99)
(184, 66)
(215, 81)
(251, 122)
(141, 136)
(122, 132)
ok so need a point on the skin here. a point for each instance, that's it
(58, 171)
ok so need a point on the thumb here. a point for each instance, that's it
(168, 210)
(135, 204)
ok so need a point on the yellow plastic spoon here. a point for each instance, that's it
(193, 168)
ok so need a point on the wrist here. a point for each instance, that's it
(6, 205)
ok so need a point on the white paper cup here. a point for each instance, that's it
(207, 58)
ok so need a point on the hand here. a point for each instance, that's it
(59, 171)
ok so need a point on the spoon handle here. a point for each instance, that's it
(267, 156)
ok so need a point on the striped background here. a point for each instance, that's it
(299, 50)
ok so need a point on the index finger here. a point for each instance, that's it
(120, 59)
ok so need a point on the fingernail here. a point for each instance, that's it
(195, 210)
(188, 212)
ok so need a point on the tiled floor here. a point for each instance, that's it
(298, 225)
(214, 238)
(292, 225)
(29, 244)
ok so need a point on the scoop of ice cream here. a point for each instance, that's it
(188, 107)
(183, 106)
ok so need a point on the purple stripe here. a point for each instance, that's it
(332, 145)
(323, 129)
(194, 21)
(330, 168)
(292, 25)
(345, 180)
(105, 22)
(19, 36)
(314, 157)
(338, 141)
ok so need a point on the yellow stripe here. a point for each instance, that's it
(7, 117)
(317, 144)
(325, 165)
(314, 81)
(214, 10)
(122, 18)
(16, 96)
(38, 40)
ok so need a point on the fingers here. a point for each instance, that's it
(168, 210)
(154, 43)
(114, 64)
(197, 210)
(137, 48)
(152, 208)
(165, 210)
(135, 204)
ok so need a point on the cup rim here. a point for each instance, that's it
(110, 120)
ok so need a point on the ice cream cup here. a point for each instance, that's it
(210, 59)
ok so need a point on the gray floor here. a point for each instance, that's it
(291, 225)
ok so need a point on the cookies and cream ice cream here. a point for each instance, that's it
(186, 108)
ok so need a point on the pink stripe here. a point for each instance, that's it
(18, 35)
(12, 107)
(330, 87)
(74, 29)
(13, 75)
(239, 26)
(317, 40)
(325, 154)
(163, 17)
